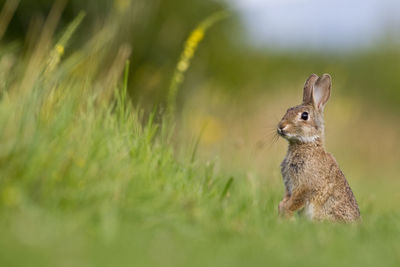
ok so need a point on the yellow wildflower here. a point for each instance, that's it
(60, 49)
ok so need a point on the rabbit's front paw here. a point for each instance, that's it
(282, 209)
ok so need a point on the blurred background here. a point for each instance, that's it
(250, 68)
(84, 182)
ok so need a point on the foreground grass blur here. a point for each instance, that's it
(86, 181)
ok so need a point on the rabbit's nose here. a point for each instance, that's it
(281, 126)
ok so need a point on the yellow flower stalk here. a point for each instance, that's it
(187, 54)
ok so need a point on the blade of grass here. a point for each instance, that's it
(197, 142)
(6, 14)
(59, 48)
(226, 188)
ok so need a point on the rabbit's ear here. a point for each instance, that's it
(308, 87)
(321, 91)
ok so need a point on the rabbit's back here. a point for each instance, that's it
(337, 201)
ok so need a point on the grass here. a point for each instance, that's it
(85, 180)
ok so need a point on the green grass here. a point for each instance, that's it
(85, 180)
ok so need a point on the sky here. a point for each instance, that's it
(319, 24)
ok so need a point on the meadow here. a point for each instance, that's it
(90, 177)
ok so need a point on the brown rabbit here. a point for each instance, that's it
(314, 183)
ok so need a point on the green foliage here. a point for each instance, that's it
(87, 180)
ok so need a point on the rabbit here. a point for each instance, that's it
(314, 184)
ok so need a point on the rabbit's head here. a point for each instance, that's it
(304, 123)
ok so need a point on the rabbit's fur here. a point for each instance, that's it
(314, 183)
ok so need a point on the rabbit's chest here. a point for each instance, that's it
(292, 168)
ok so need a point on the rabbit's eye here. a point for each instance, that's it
(304, 116)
